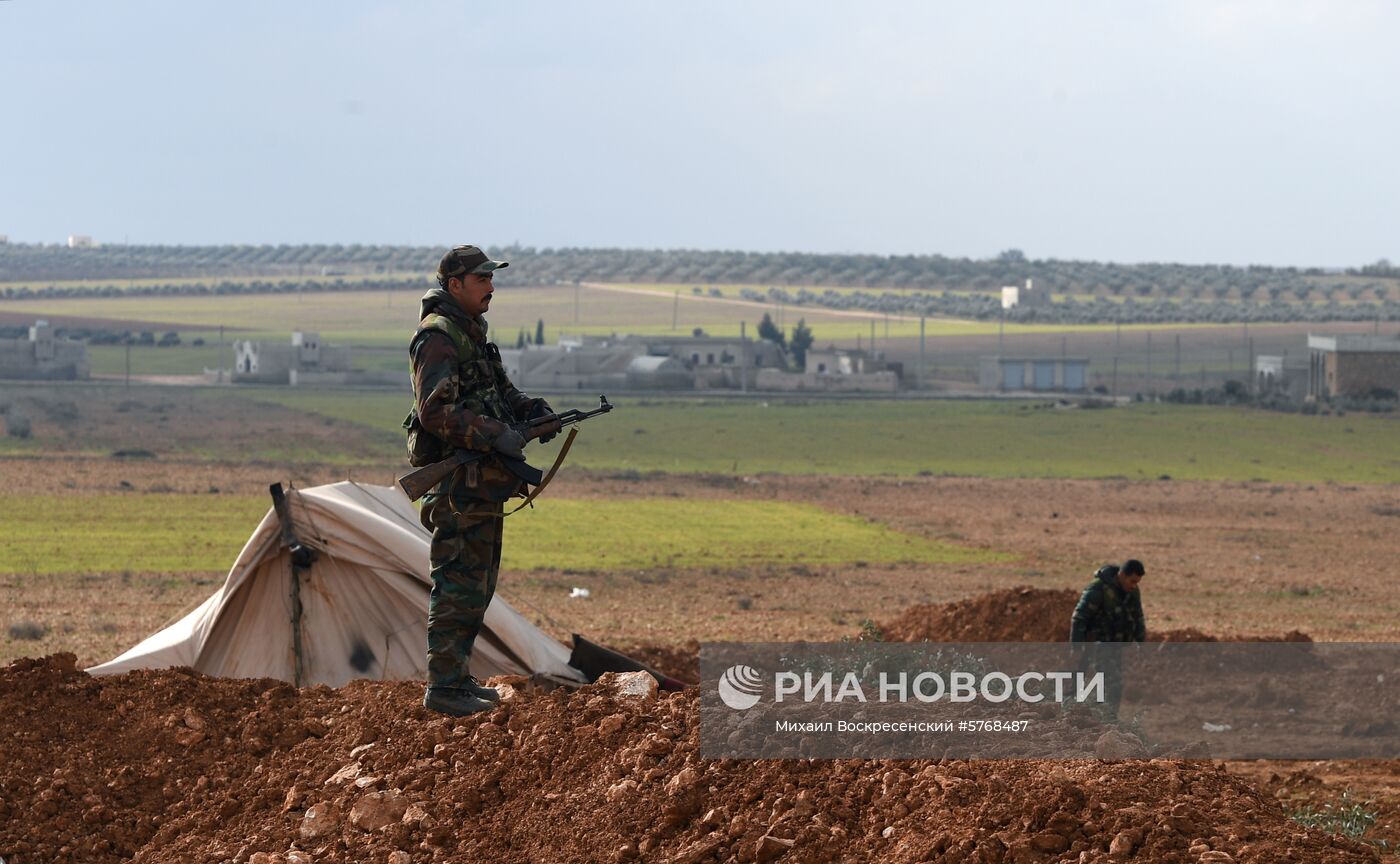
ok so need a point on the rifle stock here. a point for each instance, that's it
(418, 483)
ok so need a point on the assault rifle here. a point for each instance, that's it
(418, 483)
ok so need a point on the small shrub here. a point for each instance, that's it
(1346, 816)
(17, 423)
(28, 631)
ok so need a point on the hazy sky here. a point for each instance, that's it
(1233, 132)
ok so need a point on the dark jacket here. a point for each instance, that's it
(461, 395)
(1107, 613)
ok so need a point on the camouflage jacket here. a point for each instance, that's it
(1107, 613)
(462, 397)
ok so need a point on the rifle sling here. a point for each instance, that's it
(549, 475)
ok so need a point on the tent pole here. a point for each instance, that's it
(296, 626)
(301, 558)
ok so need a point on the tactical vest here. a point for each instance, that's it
(480, 382)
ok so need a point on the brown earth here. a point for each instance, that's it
(171, 766)
(1024, 614)
(1223, 558)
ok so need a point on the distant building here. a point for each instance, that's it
(80, 241)
(585, 364)
(42, 356)
(1029, 297)
(1279, 373)
(4, 238)
(1352, 365)
(1040, 374)
(303, 360)
(835, 370)
(718, 361)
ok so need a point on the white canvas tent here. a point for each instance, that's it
(364, 604)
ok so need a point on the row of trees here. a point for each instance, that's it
(27, 262)
(1090, 310)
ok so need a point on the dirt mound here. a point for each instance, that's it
(681, 662)
(171, 767)
(1013, 615)
(1024, 614)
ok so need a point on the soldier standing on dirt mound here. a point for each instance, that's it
(1109, 613)
(462, 399)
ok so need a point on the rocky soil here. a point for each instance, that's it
(171, 766)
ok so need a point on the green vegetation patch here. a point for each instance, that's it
(136, 532)
(946, 437)
(622, 534)
(179, 533)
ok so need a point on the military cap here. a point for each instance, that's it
(461, 260)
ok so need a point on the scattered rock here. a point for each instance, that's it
(320, 820)
(374, 810)
(1049, 841)
(344, 775)
(699, 850)
(398, 856)
(628, 685)
(769, 848)
(611, 725)
(1215, 857)
(1114, 745)
(295, 797)
(1124, 843)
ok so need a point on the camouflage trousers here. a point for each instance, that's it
(465, 556)
(1107, 658)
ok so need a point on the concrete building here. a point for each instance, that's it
(717, 361)
(42, 356)
(80, 241)
(591, 364)
(834, 370)
(1028, 297)
(1279, 373)
(1352, 365)
(1040, 374)
(302, 360)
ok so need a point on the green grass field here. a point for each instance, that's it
(990, 439)
(179, 533)
(386, 319)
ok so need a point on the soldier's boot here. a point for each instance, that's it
(477, 689)
(457, 703)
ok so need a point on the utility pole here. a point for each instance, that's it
(1250, 368)
(872, 338)
(576, 289)
(921, 351)
(743, 356)
(1115, 376)
(675, 309)
(1149, 360)
(221, 353)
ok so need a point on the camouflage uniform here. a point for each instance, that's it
(462, 399)
(1109, 616)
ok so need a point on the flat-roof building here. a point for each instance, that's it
(1352, 365)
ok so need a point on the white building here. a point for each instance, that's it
(1029, 296)
(80, 241)
(301, 361)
